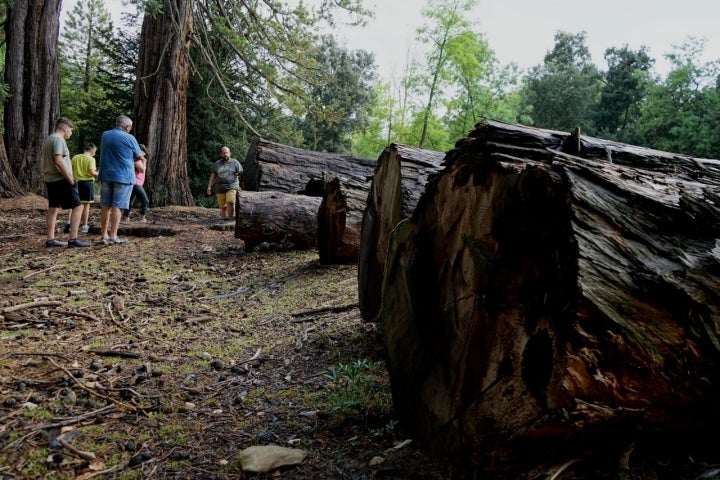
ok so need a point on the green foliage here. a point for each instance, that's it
(342, 98)
(563, 91)
(624, 88)
(370, 142)
(681, 113)
(483, 89)
(445, 26)
(353, 382)
(96, 83)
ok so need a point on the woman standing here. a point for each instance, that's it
(138, 191)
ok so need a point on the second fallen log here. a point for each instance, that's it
(276, 217)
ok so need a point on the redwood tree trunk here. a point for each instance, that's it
(161, 102)
(551, 292)
(31, 71)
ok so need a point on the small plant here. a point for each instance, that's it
(388, 430)
(353, 382)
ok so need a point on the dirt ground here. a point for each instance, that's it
(168, 356)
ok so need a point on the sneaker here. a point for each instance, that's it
(117, 240)
(85, 228)
(107, 241)
(55, 243)
(125, 220)
(66, 229)
(74, 243)
(143, 220)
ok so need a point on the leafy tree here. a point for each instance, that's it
(563, 91)
(483, 89)
(268, 41)
(370, 141)
(681, 113)
(445, 24)
(83, 59)
(341, 100)
(621, 95)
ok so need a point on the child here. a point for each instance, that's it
(85, 171)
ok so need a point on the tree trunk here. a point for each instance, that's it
(31, 72)
(277, 167)
(9, 185)
(538, 301)
(276, 217)
(339, 223)
(160, 117)
(400, 178)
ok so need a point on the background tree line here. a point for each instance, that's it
(198, 74)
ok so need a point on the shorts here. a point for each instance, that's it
(116, 195)
(86, 190)
(62, 195)
(226, 197)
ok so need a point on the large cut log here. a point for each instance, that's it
(276, 217)
(399, 180)
(277, 167)
(538, 302)
(339, 223)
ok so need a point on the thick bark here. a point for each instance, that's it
(160, 117)
(339, 223)
(276, 217)
(537, 300)
(400, 178)
(9, 185)
(31, 72)
(277, 167)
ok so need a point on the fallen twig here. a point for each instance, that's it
(40, 303)
(307, 313)
(78, 314)
(41, 271)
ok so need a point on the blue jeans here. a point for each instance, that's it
(138, 192)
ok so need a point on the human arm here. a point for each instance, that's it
(62, 168)
(213, 176)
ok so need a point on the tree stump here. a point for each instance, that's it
(339, 223)
(399, 180)
(538, 303)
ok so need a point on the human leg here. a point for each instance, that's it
(85, 217)
(120, 202)
(222, 204)
(50, 219)
(230, 203)
(75, 215)
(144, 200)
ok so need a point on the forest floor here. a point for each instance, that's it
(168, 356)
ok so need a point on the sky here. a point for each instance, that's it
(522, 31)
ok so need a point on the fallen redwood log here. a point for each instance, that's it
(276, 217)
(339, 223)
(539, 305)
(278, 167)
(400, 177)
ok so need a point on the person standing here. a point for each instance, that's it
(138, 191)
(84, 171)
(62, 192)
(118, 152)
(226, 178)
